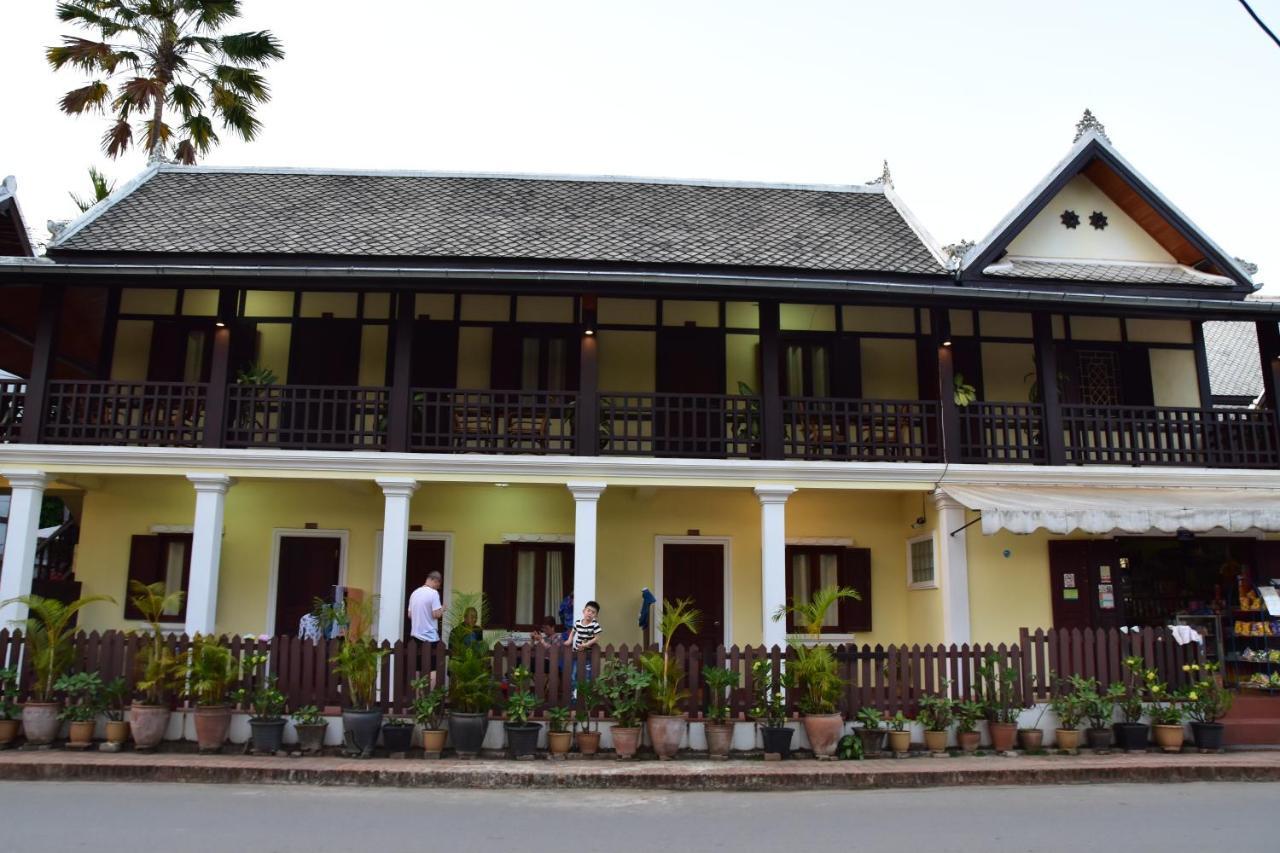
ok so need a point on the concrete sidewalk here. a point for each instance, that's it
(607, 772)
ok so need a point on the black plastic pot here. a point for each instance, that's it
(1098, 738)
(1130, 736)
(397, 738)
(467, 732)
(1208, 735)
(522, 738)
(268, 735)
(872, 740)
(360, 730)
(777, 740)
(311, 737)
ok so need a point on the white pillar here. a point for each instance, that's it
(206, 553)
(19, 566)
(773, 560)
(953, 568)
(397, 492)
(586, 497)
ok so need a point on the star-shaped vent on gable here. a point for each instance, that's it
(1098, 219)
(1070, 218)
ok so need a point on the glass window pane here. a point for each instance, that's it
(531, 349)
(821, 383)
(525, 576)
(795, 370)
(193, 369)
(175, 559)
(799, 579)
(557, 365)
(829, 575)
(922, 561)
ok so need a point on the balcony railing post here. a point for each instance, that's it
(1047, 381)
(215, 411)
(940, 322)
(1269, 352)
(587, 414)
(35, 407)
(400, 403)
(771, 428)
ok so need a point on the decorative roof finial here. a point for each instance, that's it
(1089, 122)
(885, 178)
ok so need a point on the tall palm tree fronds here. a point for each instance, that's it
(101, 189)
(811, 614)
(153, 55)
(48, 629)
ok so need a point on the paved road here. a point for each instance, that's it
(109, 817)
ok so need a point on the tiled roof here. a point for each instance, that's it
(408, 215)
(1235, 369)
(1112, 272)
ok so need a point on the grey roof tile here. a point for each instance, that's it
(1118, 272)
(1235, 368)
(197, 211)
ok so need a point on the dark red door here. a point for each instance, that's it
(1085, 582)
(425, 556)
(696, 571)
(308, 570)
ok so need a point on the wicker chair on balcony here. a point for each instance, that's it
(472, 425)
(826, 433)
(526, 427)
(887, 434)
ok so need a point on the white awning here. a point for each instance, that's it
(1063, 509)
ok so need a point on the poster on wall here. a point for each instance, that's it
(1068, 580)
(1106, 597)
(1104, 574)
(1270, 599)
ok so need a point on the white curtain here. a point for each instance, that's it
(555, 583)
(175, 561)
(829, 575)
(799, 579)
(525, 576)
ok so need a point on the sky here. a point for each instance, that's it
(971, 103)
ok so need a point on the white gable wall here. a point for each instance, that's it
(1122, 240)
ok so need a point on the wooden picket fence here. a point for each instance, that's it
(890, 678)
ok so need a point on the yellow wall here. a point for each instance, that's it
(627, 312)
(1174, 381)
(544, 309)
(678, 312)
(373, 356)
(1123, 239)
(868, 318)
(132, 350)
(627, 360)
(273, 348)
(741, 358)
(1007, 371)
(474, 355)
(889, 369)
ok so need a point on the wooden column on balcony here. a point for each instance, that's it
(215, 409)
(939, 321)
(1202, 366)
(1047, 380)
(587, 417)
(771, 426)
(1269, 352)
(36, 404)
(398, 407)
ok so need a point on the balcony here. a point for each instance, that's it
(703, 426)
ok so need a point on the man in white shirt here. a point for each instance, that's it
(425, 610)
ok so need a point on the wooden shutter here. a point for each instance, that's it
(500, 585)
(1135, 377)
(146, 566)
(507, 358)
(789, 574)
(855, 571)
(846, 367)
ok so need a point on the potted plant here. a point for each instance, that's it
(559, 739)
(816, 669)
(588, 698)
(871, 731)
(1068, 703)
(8, 706)
(1207, 701)
(625, 686)
(266, 704)
(115, 697)
(1032, 739)
(899, 734)
(1166, 721)
(968, 714)
(428, 712)
(47, 630)
(666, 722)
(1131, 732)
(718, 728)
(397, 734)
(522, 734)
(356, 663)
(1098, 707)
(84, 702)
(210, 672)
(998, 686)
(935, 714)
(311, 726)
(160, 671)
(470, 696)
(769, 709)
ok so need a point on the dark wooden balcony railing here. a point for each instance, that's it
(169, 414)
(861, 430)
(1147, 435)
(448, 421)
(1002, 432)
(13, 396)
(307, 417)
(709, 426)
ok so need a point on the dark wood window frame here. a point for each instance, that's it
(500, 578)
(147, 555)
(853, 568)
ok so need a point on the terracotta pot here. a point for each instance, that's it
(823, 731)
(148, 722)
(968, 741)
(1067, 738)
(212, 725)
(81, 733)
(1208, 735)
(665, 733)
(1169, 738)
(935, 741)
(1098, 738)
(899, 742)
(1031, 740)
(40, 721)
(311, 737)
(433, 740)
(1002, 735)
(588, 742)
(719, 738)
(117, 731)
(8, 731)
(625, 741)
(558, 743)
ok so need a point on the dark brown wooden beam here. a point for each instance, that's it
(1202, 366)
(587, 418)
(399, 408)
(215, 409)
(941, 334)
(1047, 381)
(770, 380)
(36, 404)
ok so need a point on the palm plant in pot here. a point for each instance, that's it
(115, 696)
(160, 671)
(769, 709)
(559, 738)
(1131, 732)
(1207, 701)
(718, 728)
(666, 722)
(9, 710)
(589, 696)
(84, 703)
(266, 706)
(470, 696)
(1069, 705)
(522, 734)
(870, 729)
(968, 713)
(311, 727)
(935, 714)
(428, 712)
(625, 686)
(356, 663)
(816, 669)
(998, 681)
(899, 734)
(47, 630)
(210, 673)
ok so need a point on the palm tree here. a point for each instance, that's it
(48, 629)
(153, 54)
(101, 189)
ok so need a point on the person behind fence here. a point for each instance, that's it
(545, 636)
(584, 635)
(469, 631)
(425, 610)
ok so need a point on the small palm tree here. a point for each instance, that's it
(101, 189)
(815, 669)
(153, 54)
(664, 688)
(811, 615)
(48, 629)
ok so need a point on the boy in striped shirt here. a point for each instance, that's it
(586, 631)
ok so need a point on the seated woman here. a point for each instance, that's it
(469, 631)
